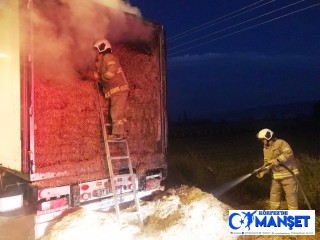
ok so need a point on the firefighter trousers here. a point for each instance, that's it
(117, 112)
(290, 187)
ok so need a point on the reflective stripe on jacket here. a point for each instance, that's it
(281, 151)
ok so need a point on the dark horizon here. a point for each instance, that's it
(304, 109)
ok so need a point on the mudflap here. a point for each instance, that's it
(32, 196)
(142, 183)
(75, 195)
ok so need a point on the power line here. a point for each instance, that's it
(271, 20)
(204, 25)
(208, 24)
(235, 25)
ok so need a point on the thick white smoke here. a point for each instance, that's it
(64, 32)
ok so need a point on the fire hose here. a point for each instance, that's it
(300, 187)
(258, 170)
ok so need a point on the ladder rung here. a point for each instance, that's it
(107, 124)
(119, 157)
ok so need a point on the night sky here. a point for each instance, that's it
(225, 56)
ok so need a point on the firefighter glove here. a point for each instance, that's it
(260, 174)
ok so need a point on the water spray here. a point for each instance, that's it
(227, 186)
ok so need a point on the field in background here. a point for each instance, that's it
(230, 150)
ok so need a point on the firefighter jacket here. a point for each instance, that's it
(112, 76)
(280, 152)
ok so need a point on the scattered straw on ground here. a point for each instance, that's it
(181, 213)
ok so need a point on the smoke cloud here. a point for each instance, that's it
(65, 30)
(120, 5)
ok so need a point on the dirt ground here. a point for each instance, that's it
(17, 225)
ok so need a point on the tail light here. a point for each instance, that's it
(85, 187)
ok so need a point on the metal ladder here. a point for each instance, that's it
(111, 159)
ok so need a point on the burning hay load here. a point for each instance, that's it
(60, 151)
(67, 124)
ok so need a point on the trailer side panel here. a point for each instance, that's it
(10, 144)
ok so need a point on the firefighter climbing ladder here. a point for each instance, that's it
(111, 159)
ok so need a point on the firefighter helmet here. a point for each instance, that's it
(102, 45)
(265, 134)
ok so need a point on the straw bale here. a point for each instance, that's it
(67, 126)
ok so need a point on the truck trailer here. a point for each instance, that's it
(52, 154)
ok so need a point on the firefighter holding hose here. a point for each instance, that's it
(279, 159)
(115, 86)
